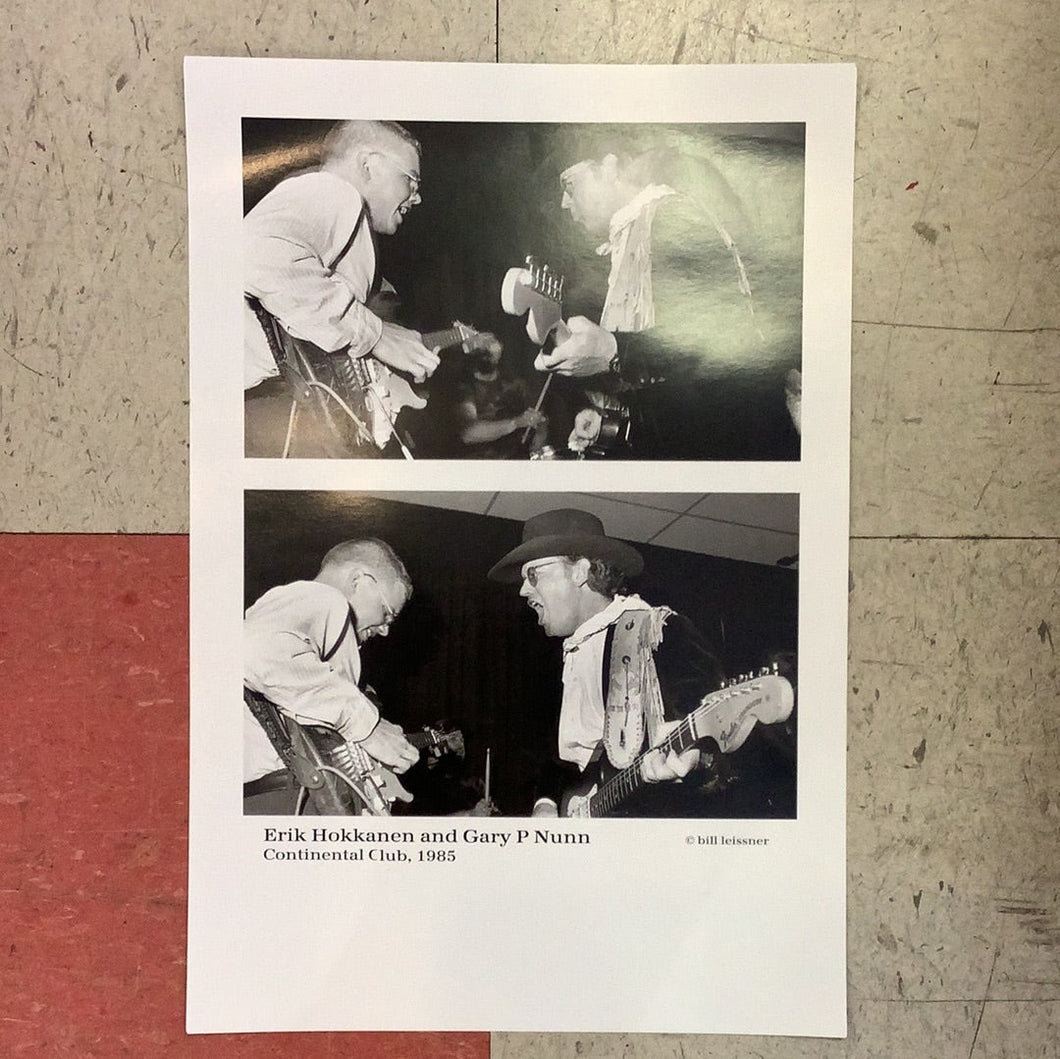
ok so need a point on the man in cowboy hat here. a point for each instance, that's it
(631, 671)
(702, 320)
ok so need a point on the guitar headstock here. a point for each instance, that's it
(471, 340)
(729, 715)
(537, 291)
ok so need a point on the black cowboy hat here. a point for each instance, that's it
(566, 532)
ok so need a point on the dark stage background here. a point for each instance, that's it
(470, 651)
(491, 195)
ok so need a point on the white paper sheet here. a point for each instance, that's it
(508, 923)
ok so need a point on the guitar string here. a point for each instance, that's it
(610, 791)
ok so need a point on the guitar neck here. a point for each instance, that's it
(451, 336)
(421, 740)
(627, 782)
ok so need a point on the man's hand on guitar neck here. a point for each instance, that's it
(658, 767)
(401, 349)
(587, 350)
(387, 744)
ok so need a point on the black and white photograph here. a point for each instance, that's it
(521, 654)
(523, 290)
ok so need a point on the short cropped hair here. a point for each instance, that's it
(345, 137)
(374, 554)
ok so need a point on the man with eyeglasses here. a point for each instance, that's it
(310, 265)
(630, 670)
(302, 653)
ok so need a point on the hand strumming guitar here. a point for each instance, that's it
(588, 350)
(401, 349)
(387, 744)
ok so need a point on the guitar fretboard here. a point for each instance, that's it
(452, 336)
(421, 740)
(619, 787)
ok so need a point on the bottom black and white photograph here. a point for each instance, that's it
(521, 654)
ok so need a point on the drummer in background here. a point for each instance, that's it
(495, 417)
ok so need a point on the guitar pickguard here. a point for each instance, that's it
(578, 805)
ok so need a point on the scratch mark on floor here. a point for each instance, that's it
(680, 49)
(39, 374)
(958, 329)
(982, 492)
(1033, 176)
(982, 1006)
(1041, 923)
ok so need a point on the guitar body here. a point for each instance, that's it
(354, 401)
(658, 800)
(577, 801)
(344, 780)
(364, 786)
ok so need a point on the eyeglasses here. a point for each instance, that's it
(389, 614)
(530, 574)
(412, 178)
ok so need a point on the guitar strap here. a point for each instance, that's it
(328, 655)
(267, 320)
(633, 700)
(268, 716)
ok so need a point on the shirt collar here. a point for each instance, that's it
(602, 619)
(626, 215)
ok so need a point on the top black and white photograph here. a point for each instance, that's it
(522, 290)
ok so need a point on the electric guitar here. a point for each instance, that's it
(726, 717)
(537, 291)
(356, 399)
(356, 783)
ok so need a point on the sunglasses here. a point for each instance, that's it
(530, 574)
